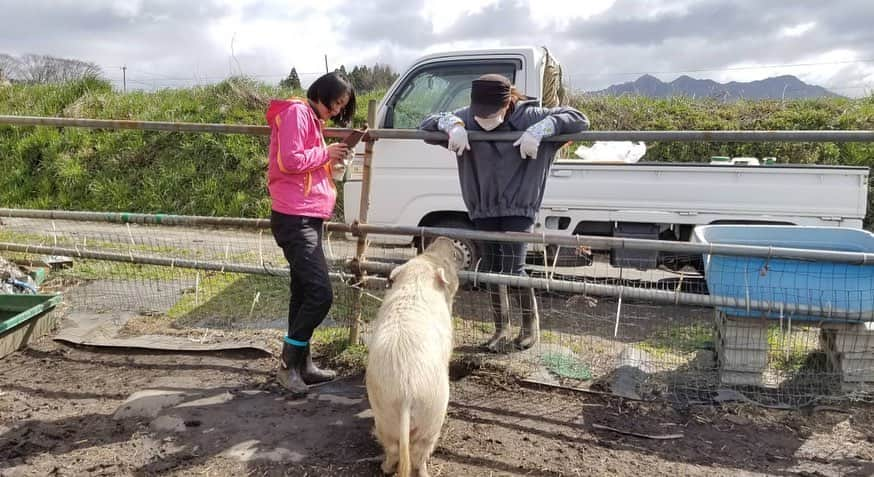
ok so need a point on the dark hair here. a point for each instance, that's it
(491, 92)
(331, 87)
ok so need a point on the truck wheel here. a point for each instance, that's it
(469, 248)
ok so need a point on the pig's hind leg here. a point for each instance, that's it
(421, 451)
(390, 446)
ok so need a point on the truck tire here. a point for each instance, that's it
(469, 248)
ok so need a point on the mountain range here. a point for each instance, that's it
(779, 87)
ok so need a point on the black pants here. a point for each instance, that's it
(311, 294)
(503, 257)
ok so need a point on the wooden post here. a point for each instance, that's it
(364, 207)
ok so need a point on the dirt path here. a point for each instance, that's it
(66, 411)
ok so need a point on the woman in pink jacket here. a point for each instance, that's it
(303, 194)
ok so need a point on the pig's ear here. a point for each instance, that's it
(394, 273)
(441, 276)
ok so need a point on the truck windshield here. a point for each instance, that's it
(437, 88)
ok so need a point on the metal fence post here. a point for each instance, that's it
(361, 248)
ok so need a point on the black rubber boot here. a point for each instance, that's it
(289, 374)
(529, 333)
(500, 341)
(311, 374)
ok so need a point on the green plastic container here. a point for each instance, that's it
(24, 318)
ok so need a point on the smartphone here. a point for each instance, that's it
(354, 138)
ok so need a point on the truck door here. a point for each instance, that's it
(411, 179)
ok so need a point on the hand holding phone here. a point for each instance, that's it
(354, 137)
(338, 151)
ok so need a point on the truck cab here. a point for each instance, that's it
(434, 83)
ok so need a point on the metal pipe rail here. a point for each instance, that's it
(631, 293)
(613, 243)
(157, 261)
(135, 218)
(674, 136)
(253, 130)
(165, 126)
(144, 259)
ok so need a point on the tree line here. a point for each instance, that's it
(42, 69)
(364, 78)
(45, 69)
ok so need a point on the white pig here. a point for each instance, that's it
(408, 358)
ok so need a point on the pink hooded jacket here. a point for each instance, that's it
(299, 171)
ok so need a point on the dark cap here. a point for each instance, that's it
(488, 94)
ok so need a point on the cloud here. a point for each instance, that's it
(389, 22)
(600, 42)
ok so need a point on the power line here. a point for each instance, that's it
(148, 73)
(198, 78)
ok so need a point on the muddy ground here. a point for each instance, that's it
(82, 411)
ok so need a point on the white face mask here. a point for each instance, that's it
(487, 124)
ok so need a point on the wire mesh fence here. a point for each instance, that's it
(200, 272)
(598, 329)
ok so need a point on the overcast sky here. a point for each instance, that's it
(599, 42)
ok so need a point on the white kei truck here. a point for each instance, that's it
(416, 184)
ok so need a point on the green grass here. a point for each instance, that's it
(459, 323)
(788, 352)
(679, 340)
(345, 299)
(228, 298)
(99, 270)
(225, 298)
(333, 344)
(577, 344)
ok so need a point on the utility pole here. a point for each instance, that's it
(326, 63)
(124, 78)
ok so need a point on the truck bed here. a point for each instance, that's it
(704, 193)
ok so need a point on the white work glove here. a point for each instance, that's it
(458, 140)
(529, 142)
(454, 127)
(528, 145)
